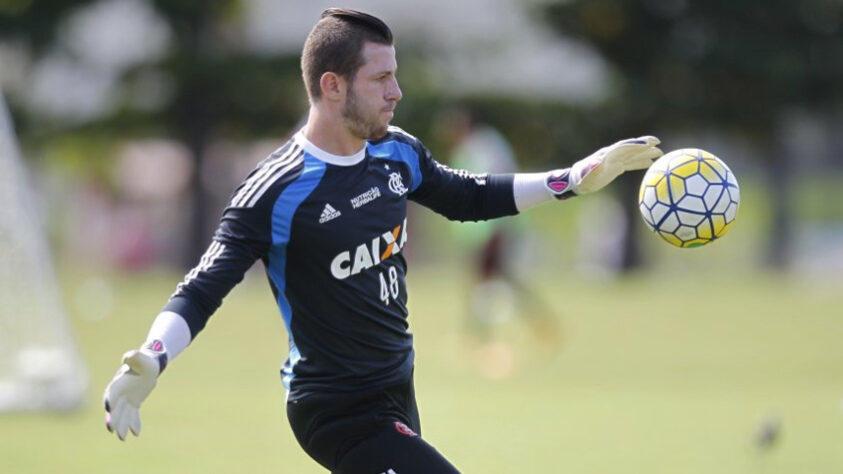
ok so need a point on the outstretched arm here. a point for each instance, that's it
(587, 175)
(460, 195)
(242, 237)
(202, 291)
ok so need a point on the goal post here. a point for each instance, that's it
(40, 365)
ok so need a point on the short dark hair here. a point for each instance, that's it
(335, 44)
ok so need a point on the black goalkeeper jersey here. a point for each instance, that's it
(331, 233)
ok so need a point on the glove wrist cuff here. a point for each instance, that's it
(558, 182)
(156, 350)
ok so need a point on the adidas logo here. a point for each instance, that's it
(328, 213)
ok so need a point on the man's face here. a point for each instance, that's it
(373, 93)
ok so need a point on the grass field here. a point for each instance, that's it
(656, 374)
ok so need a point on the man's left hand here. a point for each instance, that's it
(602, 167)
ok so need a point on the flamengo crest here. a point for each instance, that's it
(396, 184)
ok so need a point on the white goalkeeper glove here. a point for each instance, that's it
(603, 166)
(130, 386)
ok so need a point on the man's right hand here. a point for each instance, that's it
(130, 386)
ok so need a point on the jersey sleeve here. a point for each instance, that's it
(460, 195)
(237, 243)
(243, 236)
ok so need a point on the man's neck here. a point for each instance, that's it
(329, 134)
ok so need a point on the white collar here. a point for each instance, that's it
(339, 160)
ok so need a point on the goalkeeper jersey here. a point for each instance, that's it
(331, 232)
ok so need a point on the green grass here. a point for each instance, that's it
(668, 372)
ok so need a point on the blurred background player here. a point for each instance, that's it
(499, 252)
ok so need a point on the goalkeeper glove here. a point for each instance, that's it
(603, 166)
(130, 386)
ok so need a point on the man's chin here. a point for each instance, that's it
(369, 131)
(376, 132)
(379, 132)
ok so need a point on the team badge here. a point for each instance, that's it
(396, 184)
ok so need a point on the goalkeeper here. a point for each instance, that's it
(327, 215)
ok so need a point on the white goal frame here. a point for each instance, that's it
(40, 365)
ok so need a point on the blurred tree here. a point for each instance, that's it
(215, 86)
(220, 89)
(737, 66)
(34, 23)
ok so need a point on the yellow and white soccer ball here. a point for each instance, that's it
(689, 197)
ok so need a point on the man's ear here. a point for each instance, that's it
(333, 86)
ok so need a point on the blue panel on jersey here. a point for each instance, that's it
(282, 218)
(394, 150)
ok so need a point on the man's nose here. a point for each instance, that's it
(394, 92)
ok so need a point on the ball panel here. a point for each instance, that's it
(724, 229)
(730, 178)
(649, 197)
(652, 179)
(670, 223)
(696, 185)
(671, 239)
(704, 230)
(695, 243)
(709, 174)
(712, 194)
(731, 212)
(679, 158)
(704, 155)
(661, 165)
(690, 218)
(722, 204)
(692, 203)
(735, 194)
(717, 165)
(662, 192)
(647, 215)
(718, 223)
(659, 211)
(686, 233)
(677, 188)
(686, 170)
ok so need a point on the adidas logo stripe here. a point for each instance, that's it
(328, 213)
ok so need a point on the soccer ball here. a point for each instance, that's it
(689, 197)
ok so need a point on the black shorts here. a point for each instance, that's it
(366, 433)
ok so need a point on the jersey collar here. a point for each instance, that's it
(339, 160)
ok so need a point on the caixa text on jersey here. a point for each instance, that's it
(369, 254)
